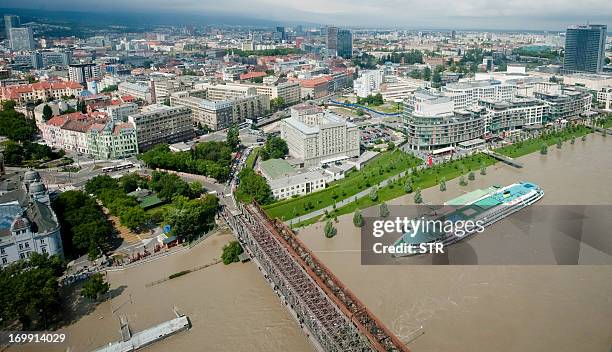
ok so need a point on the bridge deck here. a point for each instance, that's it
(330, 311)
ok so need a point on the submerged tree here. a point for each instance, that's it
(471, 176)
(357, 219)
(384, 210)
(483, 170)
(544, 149)
(417, 197)
(443, 185)
(462, 181)
(329, 230)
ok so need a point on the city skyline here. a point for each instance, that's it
(473, 14)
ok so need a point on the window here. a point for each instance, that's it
(20, 246)
(21, 256)
(2, 251)
(4, 261)
(44, 249)
(42, 241)
(27, 245)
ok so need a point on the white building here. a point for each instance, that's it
(120, 112)
(368, 83)
(286, 182)
(604, 95)
(140, 90)
(468, 93)
(318, 137)
(27, 221)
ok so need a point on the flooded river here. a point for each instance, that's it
(495, 307)
(460, 308)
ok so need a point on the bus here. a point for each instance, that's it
(123, 166)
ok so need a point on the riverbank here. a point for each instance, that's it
(491, 308)
(231, 307)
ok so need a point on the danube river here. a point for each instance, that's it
(495, 307)
(460, 308)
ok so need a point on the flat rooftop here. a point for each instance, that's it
(276, 168)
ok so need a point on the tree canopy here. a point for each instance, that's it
(14, 125)
(209, 158)
(275, 148)
(253, 187)
(30, 293)
(95, 286)
(85, 228)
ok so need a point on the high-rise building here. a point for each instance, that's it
(332, 40)
(280, 34)
(10, 21)
(21, 38)
(83, 72)
(585, 48)
(339, 42)
(345, 44)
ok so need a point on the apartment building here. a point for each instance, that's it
(368, 83)
(162, 124)
(317, 136)
(465, 94)
(40, 91)
(82, 73)
(432, 122)
(514, 114)
(139, 90)
(91, 134)
(219, 106)
(121, 111)
(604, 95)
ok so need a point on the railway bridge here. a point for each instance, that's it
(331, 316)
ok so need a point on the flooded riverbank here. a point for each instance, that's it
(461, 308)
(231, 308)
(492, 308)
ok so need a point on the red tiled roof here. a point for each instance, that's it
(57, 121)
(313, 82)
(250, 75)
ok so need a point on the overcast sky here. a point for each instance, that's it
(485, 14)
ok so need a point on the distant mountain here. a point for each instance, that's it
(138, 19)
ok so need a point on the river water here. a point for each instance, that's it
(460, 308)
(494, 307)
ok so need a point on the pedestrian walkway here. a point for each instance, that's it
(352, 198)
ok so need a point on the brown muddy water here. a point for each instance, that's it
(492, 307)
(460, 308)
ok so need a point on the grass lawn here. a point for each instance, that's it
(607, 122)
(388, 108)
(250, 161)
(423, 179)
(533, 145)
(376, 170)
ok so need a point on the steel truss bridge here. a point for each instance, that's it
(331, 316)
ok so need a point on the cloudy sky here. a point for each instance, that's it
(486, 14)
